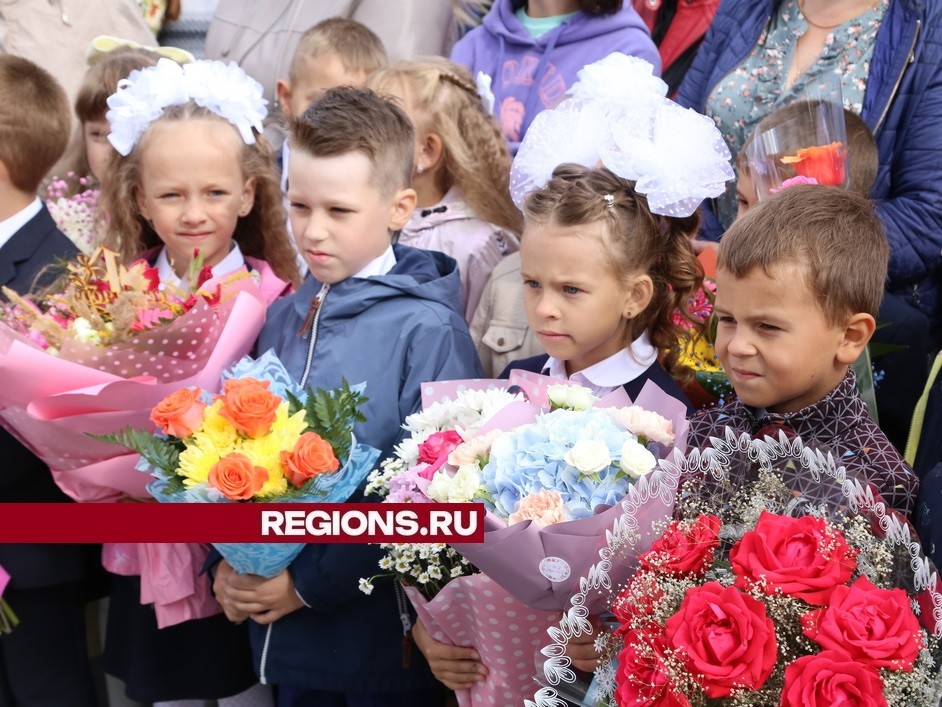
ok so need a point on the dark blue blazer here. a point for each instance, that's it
(655, 372)
(24, 477)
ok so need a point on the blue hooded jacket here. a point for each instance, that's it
(528, 74)
(392, 332)
(902, 106)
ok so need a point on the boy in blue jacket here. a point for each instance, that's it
(383, 314)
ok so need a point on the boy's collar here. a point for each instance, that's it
(830, 417)
(378, 266)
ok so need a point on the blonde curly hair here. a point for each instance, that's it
(261, 234)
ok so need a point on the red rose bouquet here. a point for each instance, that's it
(780, 582)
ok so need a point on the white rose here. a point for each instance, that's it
(464, 484)
(636, 460)
(645, 423)
(588, 456)
(440, 486)
(570, 397)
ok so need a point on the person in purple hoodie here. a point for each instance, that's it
(531, 51)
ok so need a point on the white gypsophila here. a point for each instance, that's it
(588, 456)
(464, 484)
(636, 460)
(570, 397)
(366, 586)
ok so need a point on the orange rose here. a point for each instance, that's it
(237, 477)
(311, 456)
(180, 414)
(250, 406)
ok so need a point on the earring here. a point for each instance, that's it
(419, 169)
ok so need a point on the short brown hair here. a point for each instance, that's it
(347, 119)
(355, 44)
(833, 233)
(636, 239)
(35, 120)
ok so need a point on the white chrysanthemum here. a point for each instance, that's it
(434, 572)
(366, 586)
(386, 563)
(423, 578)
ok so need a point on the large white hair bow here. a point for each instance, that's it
(617, 114)
(226, 90)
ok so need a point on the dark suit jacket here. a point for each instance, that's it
(24, 477)
(655, 372)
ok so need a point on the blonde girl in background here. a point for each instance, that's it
(461, 173)
(189, 179)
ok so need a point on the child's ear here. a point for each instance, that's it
(402, 206)
(247, 200)
(283, 92)
(640, 293)
(857, 332)
(431, 148)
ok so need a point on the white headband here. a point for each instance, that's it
(226, 90)
(618, 115)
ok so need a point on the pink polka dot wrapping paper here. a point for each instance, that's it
(50, 402)
(476, 612)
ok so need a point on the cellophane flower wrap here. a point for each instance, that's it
(781, 581)
(100, 350)
(261, 439)
(8, 620)
(548, 466)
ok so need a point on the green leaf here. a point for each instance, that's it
(156, 451)
(332, 414)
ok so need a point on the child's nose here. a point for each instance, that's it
(546, 307)
(740, 344)
(194, 211)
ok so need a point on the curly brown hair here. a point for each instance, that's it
(261, 234)
(636, 239)
(475, 156)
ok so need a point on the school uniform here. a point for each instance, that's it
(44, 662)
(629, 368)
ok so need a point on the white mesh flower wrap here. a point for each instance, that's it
(226, 90)
(618, 114)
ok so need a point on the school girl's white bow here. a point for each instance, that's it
(617, 114)
(224, 89)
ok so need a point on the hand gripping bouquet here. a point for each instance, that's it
(548, 470)
(100, 349)
(782, 581)
(261, 439)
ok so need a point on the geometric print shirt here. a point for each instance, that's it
(838, 422)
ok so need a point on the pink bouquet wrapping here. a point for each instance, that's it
(8, 619)
(50, 403)
(475, 612)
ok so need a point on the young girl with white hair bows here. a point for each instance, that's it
(191, 176)
(609, 183)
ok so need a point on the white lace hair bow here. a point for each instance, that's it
(224, 89)
(618, 114)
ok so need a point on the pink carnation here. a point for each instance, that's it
(543, 508)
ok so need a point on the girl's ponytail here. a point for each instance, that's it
(681, 273)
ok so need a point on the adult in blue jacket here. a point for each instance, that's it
(393, 332)
(902, 105)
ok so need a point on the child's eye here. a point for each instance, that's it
(217, 192)
(298, 206)
(340, 210)
(570, 290)
(532, 284)
(768, 327)
(726, 320)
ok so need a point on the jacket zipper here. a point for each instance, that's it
(321, 296)
(262, 678)
(899, 79)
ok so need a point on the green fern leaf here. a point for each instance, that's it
(161, 453)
